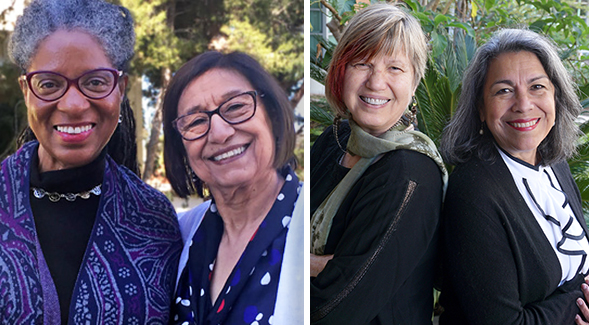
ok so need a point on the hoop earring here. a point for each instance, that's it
(120, 118)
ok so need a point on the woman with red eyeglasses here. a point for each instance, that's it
(83, 240)
(228, 124)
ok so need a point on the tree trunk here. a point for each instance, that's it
(135, 96)
(152, 148)
(433, 5)
(335, 28)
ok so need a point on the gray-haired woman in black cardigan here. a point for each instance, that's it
(514, 235)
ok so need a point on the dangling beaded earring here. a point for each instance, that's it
(193, 177)
(481, 131)
(413, 110)
(336, 122)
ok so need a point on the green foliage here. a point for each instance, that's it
(155, 46)
(13, 113)
(272, 33)
(299, 152)
(321, 114)
(170, 32)
(320, 110)
(580, 168)
(437, 94)
(320, 63)
(437, 26)
(453, 40)
(285, 62)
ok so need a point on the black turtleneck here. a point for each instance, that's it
(64, 227)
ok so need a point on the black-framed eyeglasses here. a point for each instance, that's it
(94, 84)
(234, 110)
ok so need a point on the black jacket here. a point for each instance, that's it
(499, 268)
(383, 238)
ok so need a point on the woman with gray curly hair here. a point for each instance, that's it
(515, 238)
(84, 240)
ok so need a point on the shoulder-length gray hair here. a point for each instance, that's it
(461, 139)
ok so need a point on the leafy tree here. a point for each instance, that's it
(169, 32)
(13, 113)
(285, 62)
(12, 109)
(272, 32)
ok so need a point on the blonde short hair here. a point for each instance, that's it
(379, 29)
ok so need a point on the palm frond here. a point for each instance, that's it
(320, 110)
(317, 73)
(579, 166)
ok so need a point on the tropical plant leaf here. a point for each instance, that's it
(320, 110)
(435, 101)
(317, 73)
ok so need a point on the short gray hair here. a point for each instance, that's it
(110, 24)
(461, 139)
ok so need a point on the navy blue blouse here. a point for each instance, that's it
(249, 295)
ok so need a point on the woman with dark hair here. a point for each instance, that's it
(515, 237)
(228, 126)
(84, 240)
(376, 184)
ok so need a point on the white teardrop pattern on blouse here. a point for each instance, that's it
(265, 279)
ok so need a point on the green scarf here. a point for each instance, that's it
(369, 148)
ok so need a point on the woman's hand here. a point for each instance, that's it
(318, 263)
(583, 305)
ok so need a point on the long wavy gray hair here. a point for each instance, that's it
(461, 139)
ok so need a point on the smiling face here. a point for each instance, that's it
(228, 156)
(73, 130)
(377, 92)
(518, 104)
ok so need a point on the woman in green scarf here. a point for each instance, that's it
(376, 183)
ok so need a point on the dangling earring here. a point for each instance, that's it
(120, 118)
(482, 131)
(413, 110)
(190, 173)
(206, 192)
(336, 122)
(193, 177)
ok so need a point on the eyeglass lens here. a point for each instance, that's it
(235, 110)
(94, 84)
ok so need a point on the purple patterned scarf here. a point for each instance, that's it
(130, 264)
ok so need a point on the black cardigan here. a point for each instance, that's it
(499, 268)
(383, 238)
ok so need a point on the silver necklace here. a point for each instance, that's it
(40, 193)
